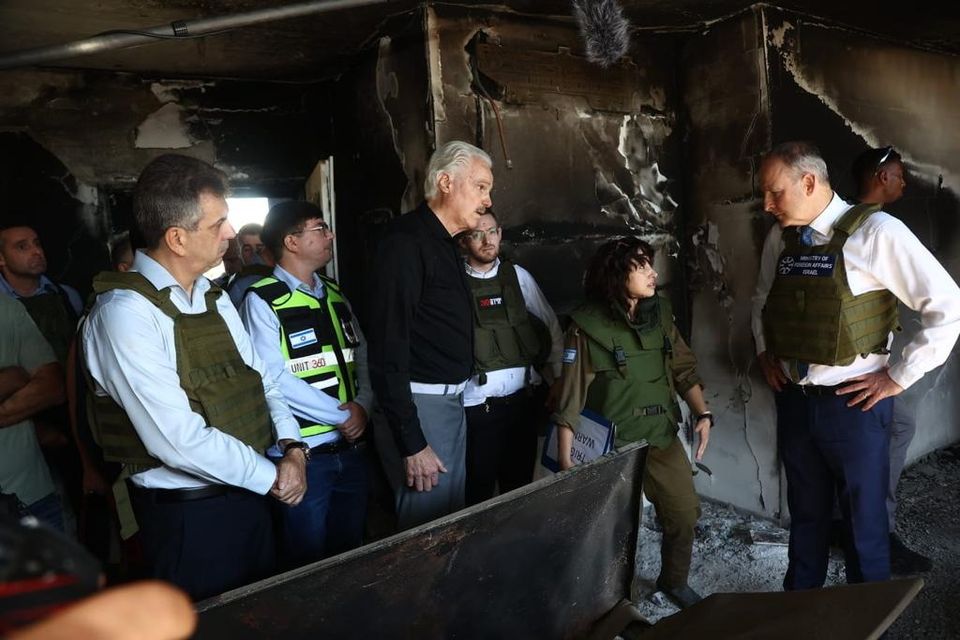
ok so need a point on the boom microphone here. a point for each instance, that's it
(606, 33)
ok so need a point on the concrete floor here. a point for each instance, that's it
(727, 557)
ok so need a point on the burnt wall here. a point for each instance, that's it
(90, 133)
(847, 92)
(726, 104)
(580, 153)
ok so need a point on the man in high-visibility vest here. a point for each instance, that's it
(303, 327)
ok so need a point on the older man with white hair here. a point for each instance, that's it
(421, 332)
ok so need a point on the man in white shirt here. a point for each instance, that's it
(515, 333)
(182, 401)
(830, 278)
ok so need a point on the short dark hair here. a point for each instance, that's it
(606, 279)
(868, 163)
(250, 229)
(284, 219)
(120, 246)
(168, 195)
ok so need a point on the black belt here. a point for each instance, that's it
(814, 389)
(168, 496)
(337, 446)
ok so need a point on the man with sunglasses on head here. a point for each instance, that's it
(515, 333)
(303, 328)
(880, 178)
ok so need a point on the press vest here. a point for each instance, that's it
(811, 315)
(317, 339)
(53, 314)
(633, 387)
(218, 383)
(505, 333)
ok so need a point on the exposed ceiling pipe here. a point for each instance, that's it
(178, 30)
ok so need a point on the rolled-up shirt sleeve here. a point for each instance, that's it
(683, 365)
(394, 295)
(123, 346)
(576, 376)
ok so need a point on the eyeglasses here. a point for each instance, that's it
(481, 234)
(323, 228)
(884, 157)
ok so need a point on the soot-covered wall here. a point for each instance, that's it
(87, 135)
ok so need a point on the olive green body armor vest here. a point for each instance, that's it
(317, 339)
(54, 316)
(218, 383)
(505, 334)
(811, 315)
(633, 387)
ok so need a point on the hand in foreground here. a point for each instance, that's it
(702, 428)
(772, 371)
(354, 426)
(291, 482)
(423, 469)
(870, 389)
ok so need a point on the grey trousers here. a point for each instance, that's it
(902, 428)
(445, 428)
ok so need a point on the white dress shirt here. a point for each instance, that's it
(305, 400)
(130, 351)
(881, 254)
(503, 382)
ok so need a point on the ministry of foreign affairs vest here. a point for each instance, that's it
(318, 341)
(505, 334)
(811, 315)
(633, 387)
(218, 383)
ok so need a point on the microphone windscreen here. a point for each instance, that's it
(606, 33)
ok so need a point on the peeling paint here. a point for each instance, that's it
(165, 128)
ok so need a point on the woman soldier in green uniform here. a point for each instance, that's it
(624, 359)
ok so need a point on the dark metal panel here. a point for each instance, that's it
(543, 562)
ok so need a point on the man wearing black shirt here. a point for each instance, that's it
(421, 332)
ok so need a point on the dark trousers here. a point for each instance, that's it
(827, 447)
(501, 445)
(331, 517)
(206, 546)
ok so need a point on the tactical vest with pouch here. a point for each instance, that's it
(318, 340)
(811, 315)
(505, 334)
(218, 383)
(53, 314)
(633, 387)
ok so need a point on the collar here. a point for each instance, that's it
(161, 279)
(482, 275)
(294, 282)
(46, 286)
(823, 223)
(431, 222)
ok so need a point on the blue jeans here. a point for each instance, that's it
(332, 515)
(49, 511)
(827, 447)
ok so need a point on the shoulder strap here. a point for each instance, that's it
(134, 281)
(332, 284)
(271, 290)
(852, 220)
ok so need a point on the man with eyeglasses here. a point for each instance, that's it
(256, 259)
(421, 335)
(880, 178)
(831, 276)
(180, 397)
(304, 329)
(515, 334)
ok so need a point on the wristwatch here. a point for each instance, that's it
(303, 446)
(708, 416)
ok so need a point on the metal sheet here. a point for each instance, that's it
(545, 561)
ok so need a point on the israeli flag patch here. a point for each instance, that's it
(569, 356)
(303, 338)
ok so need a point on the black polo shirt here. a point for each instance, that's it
(421, 320)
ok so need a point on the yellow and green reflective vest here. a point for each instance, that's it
(811, 315)
(318, 341)
(505, 334)
(218, 383)
(633, 387)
